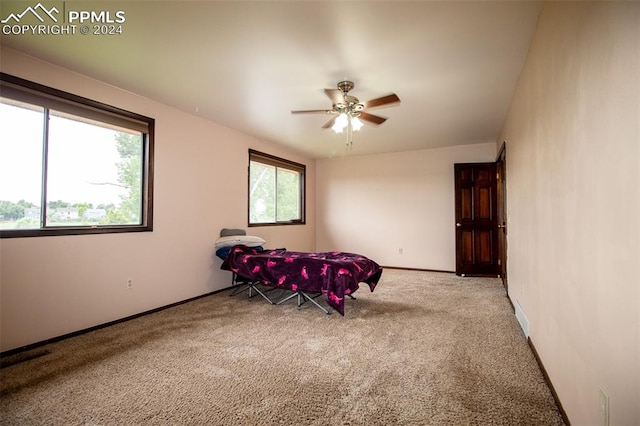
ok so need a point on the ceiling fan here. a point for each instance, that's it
(348, 111)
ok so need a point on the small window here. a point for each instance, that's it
(69, 165)
(276, 190)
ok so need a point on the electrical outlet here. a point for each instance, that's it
(604, 408)
(400, 250)
(129, 283)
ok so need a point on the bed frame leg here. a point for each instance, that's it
(302, 295)
(289, 297)
(253, 287)
(247, 285)
(303, 298)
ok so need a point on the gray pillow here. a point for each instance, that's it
(228, 232)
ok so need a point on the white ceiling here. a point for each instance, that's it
(246, 65)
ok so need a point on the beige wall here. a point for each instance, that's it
(379, 204)
(573, 179)
(50, 286)
(573, 175)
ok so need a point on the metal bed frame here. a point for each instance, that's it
(302, 299)
(243, 284)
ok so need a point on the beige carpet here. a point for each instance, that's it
(423, 349)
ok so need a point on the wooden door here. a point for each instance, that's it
(476, 219)
(501, 171)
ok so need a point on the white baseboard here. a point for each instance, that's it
(522, 319)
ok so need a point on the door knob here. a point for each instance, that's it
(502, 225)
(458, 224)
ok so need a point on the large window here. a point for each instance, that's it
(69, 165)
(276, 190)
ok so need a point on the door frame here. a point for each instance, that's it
(501, 170)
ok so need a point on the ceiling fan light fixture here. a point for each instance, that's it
(341, 122)
(356, 124)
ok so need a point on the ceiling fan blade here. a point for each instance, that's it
(330, 122)
(335, 95)
(312, 111)
(384, 100)
(375, 119)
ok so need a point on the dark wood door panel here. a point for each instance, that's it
(466, 209)
(466, 246)
(476, 215)
(478, 252)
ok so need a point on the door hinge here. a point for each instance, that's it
(499, 262)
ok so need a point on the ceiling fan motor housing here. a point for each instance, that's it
(351, 105)
(345, 86)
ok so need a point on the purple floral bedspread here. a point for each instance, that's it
(334, 274)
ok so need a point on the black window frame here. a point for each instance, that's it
(19, 89)
(278, 162)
